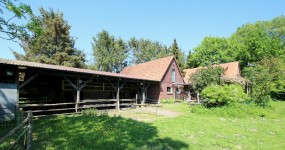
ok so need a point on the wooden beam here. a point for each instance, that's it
(112, 85)
(98, 105)
(28, 81)
(86, 82)
(147, 86)
(43, 105)
(139, 85)
(70, 82)
(122, 85)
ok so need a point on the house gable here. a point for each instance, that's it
(167, 82)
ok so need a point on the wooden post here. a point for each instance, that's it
(117, 89)
(174, 90)
(29, 131)
(144, 92)
(190, 94)
(198, 98)
(137, 97)
(247, 89)
(143, 96)
(18, 90)
(77, 94)
(118, 96)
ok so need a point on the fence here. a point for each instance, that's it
(17, 133)
(70, 108)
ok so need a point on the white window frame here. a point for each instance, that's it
(170, 90)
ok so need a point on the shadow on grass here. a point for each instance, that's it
(98, 132)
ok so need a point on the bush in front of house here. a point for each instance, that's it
(217, 95)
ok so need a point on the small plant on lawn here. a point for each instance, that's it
(167, 101)
(217, 95)
(90, 112)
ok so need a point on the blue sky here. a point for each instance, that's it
(158, 20)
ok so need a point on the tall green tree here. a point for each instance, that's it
(143, 50)
(10, 29)
(53, 45)
(212, 50)
(253, 42)
(178, 54)
(110, 54)
(267, 79)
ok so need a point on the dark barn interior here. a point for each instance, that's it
(49, 89)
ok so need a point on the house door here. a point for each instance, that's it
(177, 93)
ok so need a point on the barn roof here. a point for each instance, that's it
(152, 70)
(67, 69)
(231, 71)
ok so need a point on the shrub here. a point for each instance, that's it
(236, 110)
(216, 95)
(206, 76)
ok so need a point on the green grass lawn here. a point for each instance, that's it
(206, 129)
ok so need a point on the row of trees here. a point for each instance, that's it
(46, 39)
(249, 44)
(113, 54)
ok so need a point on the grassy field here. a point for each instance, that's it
(174, 126)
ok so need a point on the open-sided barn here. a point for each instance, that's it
(47, 89)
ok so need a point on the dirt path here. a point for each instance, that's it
(158, 111)
(148, 114)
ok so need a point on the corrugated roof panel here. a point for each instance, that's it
(68, 69)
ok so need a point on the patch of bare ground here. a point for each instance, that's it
(145, 113)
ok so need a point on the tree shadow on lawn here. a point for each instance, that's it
(98, 132)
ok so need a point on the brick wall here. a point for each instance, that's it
(160, 91)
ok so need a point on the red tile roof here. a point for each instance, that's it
(231, 71)
(67, 69)
(152, 70)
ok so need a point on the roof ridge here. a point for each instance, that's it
(154, 69)
(213, 65)
(65, 68)
(150, 61)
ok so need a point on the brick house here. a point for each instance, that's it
(231, 75)
(164, 70)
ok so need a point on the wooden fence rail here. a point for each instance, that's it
(26, 124)
(84, 104)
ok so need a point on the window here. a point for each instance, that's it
(7, 76)
(173, 75)
(169, 90)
